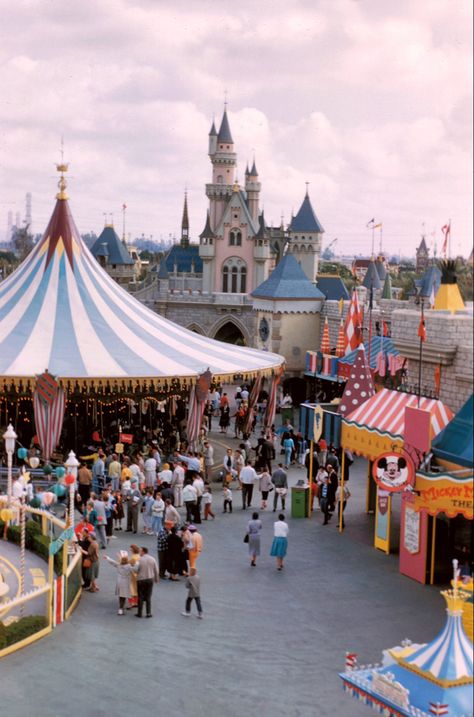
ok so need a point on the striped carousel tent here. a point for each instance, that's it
(62, 312)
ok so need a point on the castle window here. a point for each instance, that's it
(235, 238)
(234, 276)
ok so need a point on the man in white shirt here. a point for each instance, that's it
(198, 484)
(150, 472)
(248, 477)
(190, 501)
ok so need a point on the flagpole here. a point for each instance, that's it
(373, 240)
(421, 348)
(371, 301)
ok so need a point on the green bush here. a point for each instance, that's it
(25, 627)
(14, 534)
(3, 636)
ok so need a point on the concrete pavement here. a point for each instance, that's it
(271, 643)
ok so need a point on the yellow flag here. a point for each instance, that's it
(341, 306)
(378, 226)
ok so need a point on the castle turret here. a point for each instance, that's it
(252, 187)
(305, 237)
(224, 163)
(212, 140)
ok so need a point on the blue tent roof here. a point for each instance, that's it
(306, 220)
(183, 257)
(117, 252)
(431, 278)
(454, 443)
(371, 278)
(377, 344)
(332, 287)
(287, 281)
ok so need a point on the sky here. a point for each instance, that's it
(367, 100)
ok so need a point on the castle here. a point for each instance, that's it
(225, 287)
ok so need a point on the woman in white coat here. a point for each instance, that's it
(124, 574)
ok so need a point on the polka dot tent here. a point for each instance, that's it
(359, 387)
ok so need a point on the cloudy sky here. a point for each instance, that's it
(367, 100)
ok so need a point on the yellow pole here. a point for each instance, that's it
(433, 550)
(341, 492)
(310, 497)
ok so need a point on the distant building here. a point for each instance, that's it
(113, 255)
(422, 257)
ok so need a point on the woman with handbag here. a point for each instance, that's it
(254, 528)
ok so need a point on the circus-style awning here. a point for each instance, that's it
(385, 412)
(62, 312)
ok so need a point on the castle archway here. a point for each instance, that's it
(229, 332)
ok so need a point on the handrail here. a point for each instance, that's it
(20, 599)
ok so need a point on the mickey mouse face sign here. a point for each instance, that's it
(393, 472)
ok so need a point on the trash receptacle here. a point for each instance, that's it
(299, 502)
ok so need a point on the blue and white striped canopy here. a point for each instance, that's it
(62, 312)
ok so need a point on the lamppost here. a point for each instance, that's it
(22, 547)
(10, 439)
(72, 465)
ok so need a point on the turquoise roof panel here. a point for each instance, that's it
(454, 443)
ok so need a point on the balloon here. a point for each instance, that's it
(22, 453)
(59, 490)
(48, 498)
(35, 503)
(47, 470)
(69, 479)
(60, 472)
(34, 462)
(6, 514)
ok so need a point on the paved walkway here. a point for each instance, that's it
(270, 645)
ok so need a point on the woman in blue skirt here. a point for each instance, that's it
(280, 540)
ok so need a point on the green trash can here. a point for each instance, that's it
(299, 502)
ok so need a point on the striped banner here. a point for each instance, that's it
(353, 325)
(195, 414)
(271, 405)
(47, 388)
(49, 421)
(253, 398)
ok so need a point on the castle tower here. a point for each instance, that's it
(422, 256)
(252, 187)
(185, 223)
(224, 162)
(305, 238)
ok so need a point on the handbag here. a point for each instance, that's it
(87, 563)
(246, 538)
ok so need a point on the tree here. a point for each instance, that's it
(22, 241)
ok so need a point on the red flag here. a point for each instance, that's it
(446, 231)
(422, 329)
(437, 379)
(385, 328)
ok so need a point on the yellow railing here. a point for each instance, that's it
(61, 593)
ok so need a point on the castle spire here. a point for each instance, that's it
(185, 222)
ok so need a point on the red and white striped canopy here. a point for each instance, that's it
(385, 412)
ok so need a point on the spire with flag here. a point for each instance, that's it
(325, 342)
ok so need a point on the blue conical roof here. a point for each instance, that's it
(454, 443)
(224, 132)
(371, 278)
(287, 281)
(116, 250)
(306, 220)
